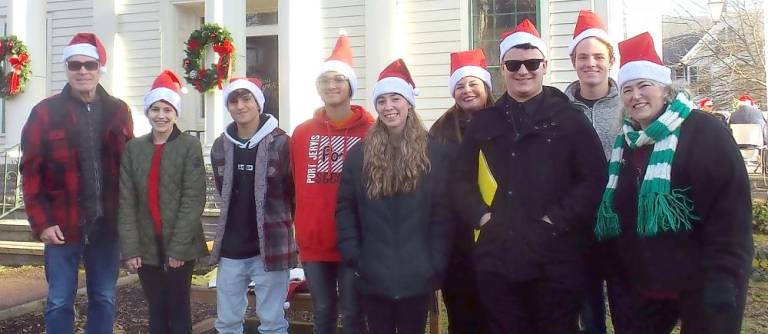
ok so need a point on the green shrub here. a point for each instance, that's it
(760, 217)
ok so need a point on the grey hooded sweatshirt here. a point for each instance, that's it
(605, 115)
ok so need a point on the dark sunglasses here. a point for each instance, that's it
(74, 65)
(530, 64)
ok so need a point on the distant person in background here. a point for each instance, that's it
(706, 104)
(162, 195)
(747, 113)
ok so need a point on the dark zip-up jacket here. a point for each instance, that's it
(717, 253)
(551, 166)
(399, 245)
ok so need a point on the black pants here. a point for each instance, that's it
(537, 306)
(390, 316)
(332, 283)
(462, 302)
(167, 294)
(659, 316)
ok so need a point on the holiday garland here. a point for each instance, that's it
(14, 73)
(220, 41)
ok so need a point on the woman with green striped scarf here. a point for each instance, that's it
(676, 211)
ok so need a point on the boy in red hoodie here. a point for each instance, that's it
(318, 149)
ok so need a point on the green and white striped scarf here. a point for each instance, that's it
(660, 208)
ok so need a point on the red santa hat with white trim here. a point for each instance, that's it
(86, 44)
(589, 24)
(167, 87)
(396, 78)
(639, 60)
(746, 100)
(524, 33)
(468, 63)
(341, 61)
(706, 102)
(252, 85)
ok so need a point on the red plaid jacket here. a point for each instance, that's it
(50, 166)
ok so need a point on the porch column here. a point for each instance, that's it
(231, 15)
(27, 20)
(300, 54)
(383, 41)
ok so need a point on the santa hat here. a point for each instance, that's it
(396, 78)
(166, 87)
(524, 33)
(705, 102)
(746, 100)
(588, 25)
(640, 61)
(253, 85)
(86, 44)
(468, 63)
(341, 61)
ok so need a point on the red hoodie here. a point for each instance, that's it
(316, 173)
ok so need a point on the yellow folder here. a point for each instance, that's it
(485, 180)
(487, 183)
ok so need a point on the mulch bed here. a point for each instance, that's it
(132, 314)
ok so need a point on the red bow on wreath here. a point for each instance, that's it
(224, 50)
(17, 64)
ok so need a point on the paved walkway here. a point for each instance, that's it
(24, 284)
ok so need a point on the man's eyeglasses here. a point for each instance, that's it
(336, 80)
(74, 65)
(530, 64)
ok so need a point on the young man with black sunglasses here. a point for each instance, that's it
(70, 166)
(549, 173)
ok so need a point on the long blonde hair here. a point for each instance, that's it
(390, 169)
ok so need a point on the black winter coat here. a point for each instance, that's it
(554, 167)
(398, 245)
(717, 252)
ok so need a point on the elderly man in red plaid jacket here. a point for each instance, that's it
(71, 148)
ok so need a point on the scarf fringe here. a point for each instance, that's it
(662, 212)
(607, 224)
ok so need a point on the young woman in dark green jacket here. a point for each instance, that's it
(162, 195)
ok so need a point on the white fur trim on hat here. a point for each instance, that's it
(592, 32)
(469, 71)
(643, 69)
(162, 94)
(245, 84)
(394, 85)
(342, 68)
(520, 38)
(84, 49)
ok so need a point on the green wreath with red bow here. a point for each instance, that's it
(14, 66)
(205, 78)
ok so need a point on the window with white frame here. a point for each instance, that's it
(489, 19)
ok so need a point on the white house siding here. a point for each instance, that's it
(561, 17)
(433, 30)
(3, 8)
(350, 16)
(67, 17)
(139, 30)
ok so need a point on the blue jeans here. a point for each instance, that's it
(102, 260)
(270, 287)
(329, 283)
